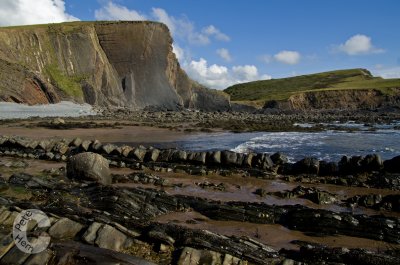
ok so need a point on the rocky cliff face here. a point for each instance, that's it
(351, 99)
(102, 63)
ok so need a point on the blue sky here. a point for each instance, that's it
(222, 42)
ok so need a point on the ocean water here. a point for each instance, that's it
(10, 110)
(328, 145)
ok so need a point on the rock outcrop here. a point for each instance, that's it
(128, 64)
(351, 99)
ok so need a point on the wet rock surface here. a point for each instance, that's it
(113, 216)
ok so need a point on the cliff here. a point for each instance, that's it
(102, 63)
(342, 89)
(351, 99)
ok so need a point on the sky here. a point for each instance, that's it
(223, 42)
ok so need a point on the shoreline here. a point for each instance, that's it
(254, 207)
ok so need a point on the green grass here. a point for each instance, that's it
(259, 92)
(69, 85)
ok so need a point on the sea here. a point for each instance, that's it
(348, 138)
(329, 145)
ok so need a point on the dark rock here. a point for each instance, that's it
(60, 148)
(3, 184)
(152, 155)
(76, 142)
(161, 236)
(308, 165)
(166, 155)
(89, 166)
(214, 157)
(138, 154)
(279, 159)
(261, 192)
(46, 145)
(344, 165)
(328, 168)
(197, 157)
(230, 158)
(179, 156)
(19, 179)
(15, 256)
(95, 146)
(392, 165)
(372, 163)
(43, 257)
(85, 145)
(125, 150)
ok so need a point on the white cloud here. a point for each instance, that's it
(180, 27)
(220, 77)
(266, 58)
(113, 11)
(25, 12)
(179, 52)
(393, 72)
(288, 57)
(224, 54)
(213, 31)
(359, 44)
(162, 16)
(245, 72)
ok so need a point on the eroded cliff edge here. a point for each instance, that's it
(127, 64)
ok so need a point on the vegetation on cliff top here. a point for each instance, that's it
(259, 92)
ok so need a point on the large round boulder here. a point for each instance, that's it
(89, 166)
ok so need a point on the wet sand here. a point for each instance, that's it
(274, 235)
(124, 134)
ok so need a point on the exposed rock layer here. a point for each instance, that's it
(102, 63)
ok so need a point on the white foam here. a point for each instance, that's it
(326, 145)
(10, 110)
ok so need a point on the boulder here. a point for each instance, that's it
(138, 154)
(179, 156)
(85, 145)
(165, 155)
(91, 233)
(229, 158)
(328, 168)
(60, 148)
(110, 238)
(214, 157)
(89, 166)
(107, 148)
(191, 256)
(248, 160)
(279, 159)
(308, 165)
(58, 121)
(152, 155)
(197, 157)
(392, 165)
(372, 163)
(95, 146)
(76, 142)
(65, 228)
(125, 150)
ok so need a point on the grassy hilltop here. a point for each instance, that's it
(258, 92)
